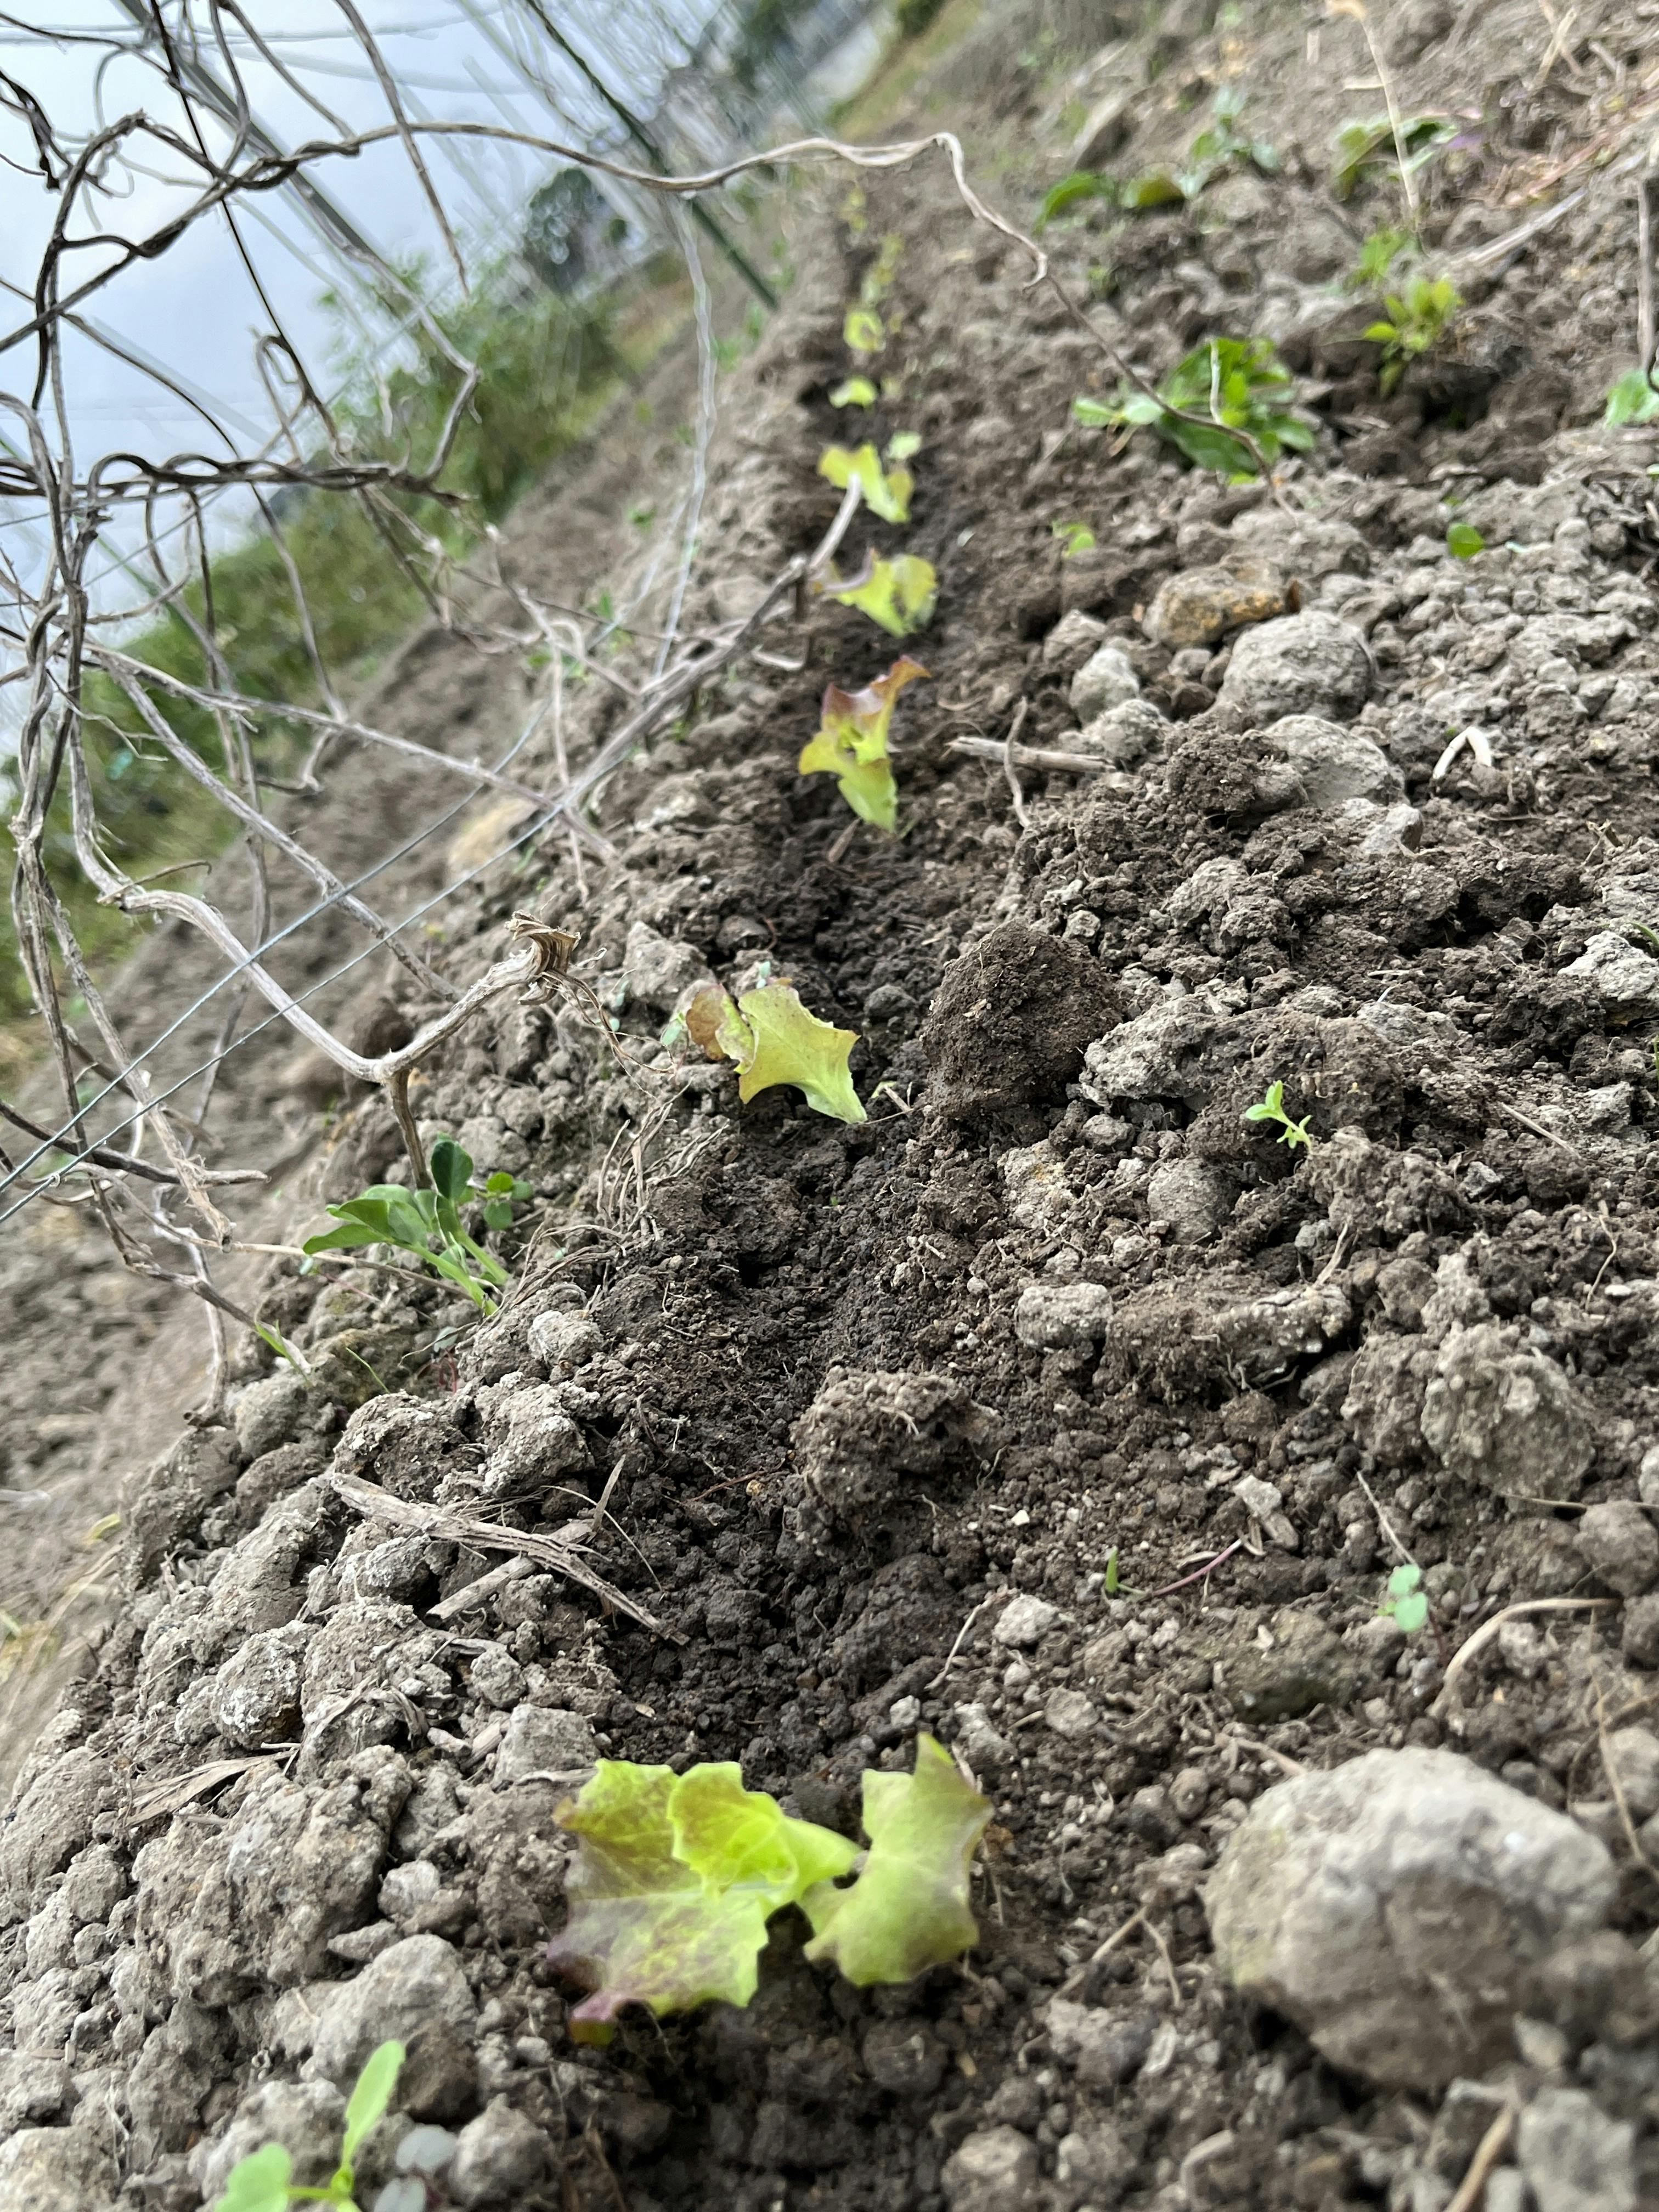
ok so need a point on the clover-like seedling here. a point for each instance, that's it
(263, 2181)
(427, 1222)
(1404, 1600)
(1232, 385)
(1272, 1109)
(852, 743)
(676, 1877)
(1464, 541)
(899, 594)
(771, 1038)
(886, 492)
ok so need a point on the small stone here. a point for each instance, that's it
(62, 2170)
(303, 2116)
(1197, 606)
(904, 2056)
(1073, 639)
(1106, 679)
(407, 1888)
(1104, 2049)
(564, 1341)
(255, 1697)
(1639, 1636)
(992, 2170)
(1595, 1989)
(1504, 1415)
(496, 1676)
(1122, 735)
(1062, 1316)
(1025, 1621)
(1620, 1543)
(1189, 1793)
(1573, 2157)
(1306, 1665)
(1069, 1712)
(269, 1412)
(1633, 1756)
(1306, 546)
(1333, 765)
(33, 2090)
(1305, 663)
(1647, 1478)
(543, 1740)
(1096, 2157)
(656, 969)
(416, 1993)
(500, 2158)
(979, 1740)
(1195, 1197)
(1348, 1899)
(1626, 978)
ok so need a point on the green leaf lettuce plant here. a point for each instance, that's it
(771, 1038)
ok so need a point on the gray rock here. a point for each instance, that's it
(496, 1677)
(1353, 1900)
(1062, 1316)
(1619, 1541)
(904, 2056)
(1069, 1713)
(1106, 679)
(49, 1821)
(407, 1888)
(304, 2117)
(1501, 1414)
(1195, 1197)
(1307, 546)
(979, 1740)
(1104, 2049)
(564, 1341)
(1306, 664)
(656, 969)
(1073, 639)
(255, 1693)
(1574, 2158)
(543, 1740)
(1639, 1631)
(33, 2090)
(1335, 765)
(1096, 2159)
(1626, 977)
(992, 2170)
(269, 1413)
(1025, 1621)
(532, 1439)
(1306, 1664)
(1123, 735)
(494, 1148)
(417, 1993)
(500, 2158)
(1633, 1755)
(57, 2170)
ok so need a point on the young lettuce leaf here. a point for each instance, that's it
(899, 594)
(909, 1909)
(852, 743)
(772, 1039)
(886, 493)
(671, 1891)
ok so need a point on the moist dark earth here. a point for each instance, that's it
(1057, 1409)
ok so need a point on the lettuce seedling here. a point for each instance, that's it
(852, 743)
(771, 1038)
(426, 1222)
(864, 330)
(1073, 538)
(263, 2181)
(886, 493)
(899, 594)
(909, 1909)
(856, 391)
(1272, 1109)
(674, 1882)
(903, 445)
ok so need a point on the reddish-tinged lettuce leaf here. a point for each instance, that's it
(909, 1909)
(852, 743)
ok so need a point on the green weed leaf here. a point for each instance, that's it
(370, 2101)
(887, 495)
(1074, 537)
(1464, 541)
(452, 1169)
(909, 1909)
(1632, 399)
(257, 2183)
(1094, 414)
(856, 391)
(1081, 185)
(852, 743)
(899, 594)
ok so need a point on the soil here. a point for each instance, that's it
(1058, 1408)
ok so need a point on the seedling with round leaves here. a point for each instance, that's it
(1404, 1600)
(851, 744)
(1272, 1109)
(1223, 388)
(427, 1222)
(263, 2181)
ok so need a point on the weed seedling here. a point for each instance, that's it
(1381, 249)
(1074, 537)
(1632, 399)
(1272, 1109)
(1406, 1601)
(1233, 384)
(1416, 321)
(1362, 147)
(263, 2181)
(1464, 541)
(428, 1222)
(1072, 192)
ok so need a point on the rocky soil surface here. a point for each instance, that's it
(1057, 1408)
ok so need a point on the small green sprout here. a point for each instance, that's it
(1236, 384)
(1381, 249)
(1272, 1109)
(1632, 399)
(854, 391)
(903, 445)
(428, 1223)
(864, 330)
(1406, 1600)
(886, 492)
(899, 594)
(1363, 146)
(1415, 322)
(771, 1038)
(263, 2181)
(1214, 150)
(1074, 537)
(1071, 192)
(1464, 541)
(676, 1877)
(852, 743)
